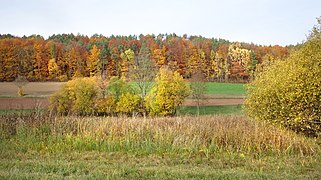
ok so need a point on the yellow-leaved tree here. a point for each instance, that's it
(168, 92)
(53, 68)
(93, 60)
(127, 59)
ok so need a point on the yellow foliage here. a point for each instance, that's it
(20, 92)
(93, 61)
(169, 92)
(77, 96)
(106, 105)
(289, 92)
(127, 57)
(159, 56)
(128, 103)
(52, 68)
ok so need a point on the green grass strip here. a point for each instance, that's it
(211, 110)
(225, 88)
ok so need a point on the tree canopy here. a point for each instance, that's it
(62, 57)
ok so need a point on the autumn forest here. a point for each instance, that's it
(65, 56)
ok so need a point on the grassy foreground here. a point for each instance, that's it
(104, 165)
(208, 147)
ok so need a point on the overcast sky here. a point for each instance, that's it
(266, 22)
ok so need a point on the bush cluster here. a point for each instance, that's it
(87, 96)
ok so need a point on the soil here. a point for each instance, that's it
(213, 102)
(23, 103)
(32, 89)
(36, 95)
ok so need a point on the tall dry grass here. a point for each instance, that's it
(164, 135)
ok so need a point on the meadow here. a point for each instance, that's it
(225, 88)
(220, 144)
(37, 145)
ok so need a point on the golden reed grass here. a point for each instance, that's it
(207, 133)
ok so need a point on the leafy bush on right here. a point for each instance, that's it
(288, 92)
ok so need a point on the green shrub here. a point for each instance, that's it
(118, 86)
(124, 99)
(288, 92)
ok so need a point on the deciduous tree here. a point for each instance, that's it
(168, 92)
(93, 60)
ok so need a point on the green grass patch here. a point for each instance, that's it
(225, 88)
(211, 110)
(101, 165)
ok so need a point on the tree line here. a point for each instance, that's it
(65, 56)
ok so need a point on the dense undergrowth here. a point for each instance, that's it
(36, 145)
(189, 136)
